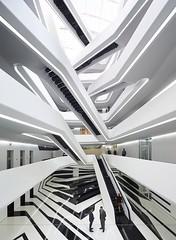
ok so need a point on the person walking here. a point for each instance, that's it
(102, 218)
(91, 219)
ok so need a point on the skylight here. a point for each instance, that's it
(97, 14)
(70, 43)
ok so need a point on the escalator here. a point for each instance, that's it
(123, 221)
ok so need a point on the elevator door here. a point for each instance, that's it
(145, 149)
(31, 156)
(10, 158)
(22, 157)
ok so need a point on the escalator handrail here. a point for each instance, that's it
(113, 179)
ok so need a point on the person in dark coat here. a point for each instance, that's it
(91, 219)
(119, 202)
(123, 152)
(115, 152)
(102, 218)
(109, 151)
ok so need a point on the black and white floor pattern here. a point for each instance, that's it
(58, 210)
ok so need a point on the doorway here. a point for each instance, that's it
(22, 157)
(10, 158)
(31, 156)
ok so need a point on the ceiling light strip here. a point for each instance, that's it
(165, 135)
(17, 143)
(146, 128)
(38, 138)
(128, 143)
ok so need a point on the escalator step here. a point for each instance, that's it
(47, 70)
(51, 74)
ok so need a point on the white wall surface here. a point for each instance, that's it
(86, 138)
(58, 153)
(164, 149)
(132, 149)
(3, 213)
(37, 155)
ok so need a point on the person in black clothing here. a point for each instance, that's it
(91, 219)
(109, 151)
(102, 218)
(119, 202)
(115, 152)
(123, 152)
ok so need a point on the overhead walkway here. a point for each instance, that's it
(123, 218)
(115, 37)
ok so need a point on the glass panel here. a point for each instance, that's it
(145, 149)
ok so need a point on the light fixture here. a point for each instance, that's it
(146, 128)
(167, 135)
(35, 137)
(10, 143)
(128, 143)
(163, 90)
